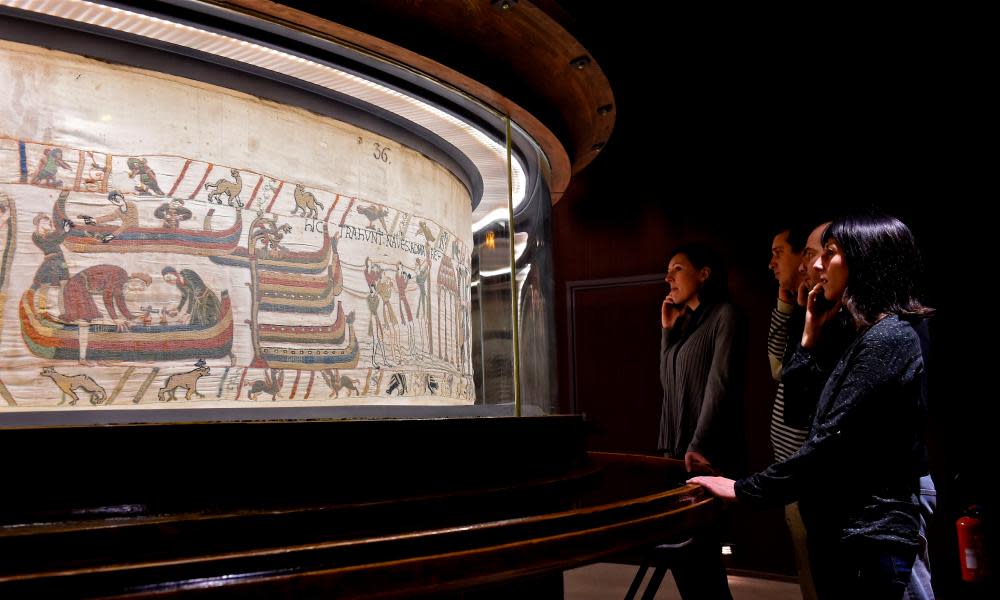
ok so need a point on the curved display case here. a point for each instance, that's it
(244, 220)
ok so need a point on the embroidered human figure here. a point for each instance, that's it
(423, 274)
(203, 306)
(372, 272)
(53, 271)
(402, 279)
(110, 282)
(172, 213)
(384, 290)
(48, 168)
(125, 211)
(147, 178)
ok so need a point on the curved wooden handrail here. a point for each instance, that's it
(478, 546)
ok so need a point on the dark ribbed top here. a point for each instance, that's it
(697, 373)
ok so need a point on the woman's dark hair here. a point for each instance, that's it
(883, 264)
(716, 287)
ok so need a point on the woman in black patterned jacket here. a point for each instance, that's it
(856, 477)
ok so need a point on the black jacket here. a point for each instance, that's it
(857, 474)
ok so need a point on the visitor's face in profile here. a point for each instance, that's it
(44, 226)
(684, 279)
(832, 268)
(784, 262)
(814, 247)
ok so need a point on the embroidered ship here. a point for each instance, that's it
(264, 288)
(300, 293)
(287, 261)
(88, 238)
(306, 334)
(313, 359)
(48, 338)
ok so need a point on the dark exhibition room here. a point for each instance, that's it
(483, 299)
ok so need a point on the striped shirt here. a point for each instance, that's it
(785, 440)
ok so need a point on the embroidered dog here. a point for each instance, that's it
(187, 380)
(68, 383)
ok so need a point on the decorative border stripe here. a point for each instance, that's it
(180, 177)
(295, 386)
(312, 376)
(204, 178)
(145, 385)
(23, 151)
(10, 399)
(239, 388)
(121, 383)
(274, 198)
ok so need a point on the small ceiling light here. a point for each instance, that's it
(603, 110)
(597, 147)
(504, 4)
(580, 62)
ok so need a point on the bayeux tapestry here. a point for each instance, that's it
(170, 243)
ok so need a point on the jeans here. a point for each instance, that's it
(883, 575)
(851, 571)
(919, 586)
(864, 575)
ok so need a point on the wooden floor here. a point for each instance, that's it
(603, 581)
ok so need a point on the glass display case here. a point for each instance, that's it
(210, 216)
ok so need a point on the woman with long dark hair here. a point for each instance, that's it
(856, 477)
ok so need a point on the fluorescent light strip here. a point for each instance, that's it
(488, 156)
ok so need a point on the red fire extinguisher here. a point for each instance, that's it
(971, 545)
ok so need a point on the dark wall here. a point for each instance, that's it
(744, 125)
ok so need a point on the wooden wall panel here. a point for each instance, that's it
(612, 352)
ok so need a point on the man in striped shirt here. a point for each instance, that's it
(785, 329)
(787, 319)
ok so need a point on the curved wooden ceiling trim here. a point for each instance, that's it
(529, 65)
